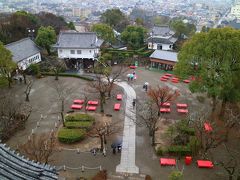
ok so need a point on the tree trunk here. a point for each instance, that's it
(62, 113)
(101, 139)
(153, 137)
(24, 78)
(9, 81)
(27, 97)
(105, 140)
(56, 76)
(101, 102)
(48, 50)
(223, 107)
(214, 100)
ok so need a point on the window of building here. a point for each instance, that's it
(72, 51)
(90, 51)
(79, 52)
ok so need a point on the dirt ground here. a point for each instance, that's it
(43, 99)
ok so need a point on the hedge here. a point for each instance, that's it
(71, 135)
(78, 124)
(79, 117)
(67, 75)
(179, 150)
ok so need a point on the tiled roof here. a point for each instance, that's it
(162, 31)
(164, 55)
(22, 49)
(86, 40)
(162, 40)
(14, 166)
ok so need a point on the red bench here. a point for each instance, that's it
(165, 110)
(163, 79)
(166, 104)
(204, 164)
(91, 108)
(170, 75)
(167, 162)
(78, 101)
(132, 67)
(119, 97)
(93, 103)
(117, 106)
(183, 111)
(76, 106)
(208, 127)
(186, 81)
(175, 81)
(182, 105)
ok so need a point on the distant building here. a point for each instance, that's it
(78, 48)
(14, 166)
(235, 11)
(25, 52)
(163, 59)
(161, 38)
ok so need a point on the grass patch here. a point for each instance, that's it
(79, 117)
(66, 135)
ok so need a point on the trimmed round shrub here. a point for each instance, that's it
(79, 117)
(176, 175)
(66, 135)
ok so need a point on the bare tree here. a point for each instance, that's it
(28, 90)
(160, 95)
(102, 130)
(56, 65)
(39, 147)
(62, 92)
(13, 115)
(149, 116)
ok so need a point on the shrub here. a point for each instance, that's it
(34, 69)
(68, 75)
(176, 175)
(78, 124)
(71, 135)
(194, 145)
(179, 150)
(161, 151)
(79, 117)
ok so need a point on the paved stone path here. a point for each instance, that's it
(127, 163)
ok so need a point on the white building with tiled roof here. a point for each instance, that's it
(25, 52)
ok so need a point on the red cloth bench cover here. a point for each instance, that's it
(163, 79)
(91, 108)
(76, 106)
(166, 104)
(167, 161)
(186, 81)
(78, 101)
(165, 110)
(208, 127)
(117, 106)
(204, 164)
(170, 75)
(119, 97)
(188, 160)
(182, 105)
(92, 102)
(175, 79)
(132, 67)
(184, 111)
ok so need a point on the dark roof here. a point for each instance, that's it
(162, 40)
(164, 55)
(162, 31)
(13, 166)
(22, 49)
(86, 40)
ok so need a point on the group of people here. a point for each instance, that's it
(132, 76)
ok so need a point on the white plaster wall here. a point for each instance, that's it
(24, 64)
(85, 53)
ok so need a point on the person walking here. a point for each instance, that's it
(104, 152)
(134, 103)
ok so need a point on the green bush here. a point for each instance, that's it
(79, 117)
(79, 124)
(184, 128)
(71, 135)
(176, 175)
(179, 150)
(68, 75)
(34, 69)
(160, 151)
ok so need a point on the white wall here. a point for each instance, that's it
(165, 47)
(85, 53)
(24, 64)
